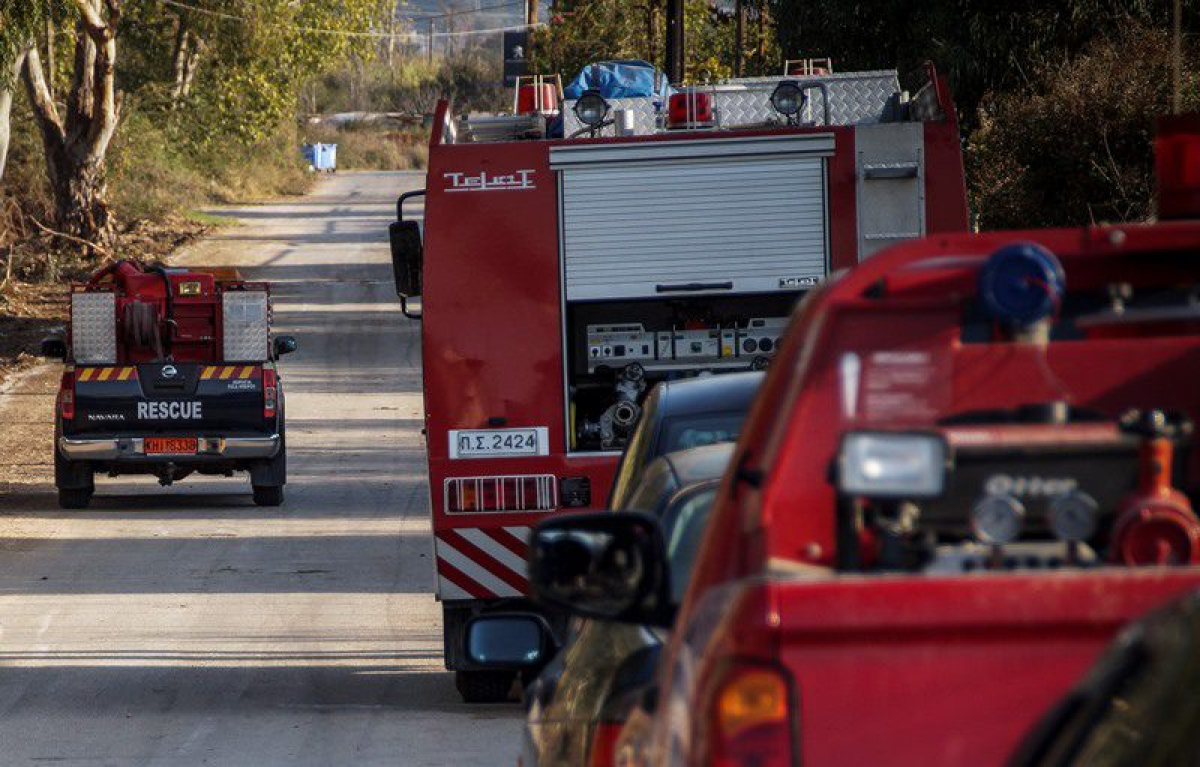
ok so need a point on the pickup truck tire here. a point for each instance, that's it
(74, 498)
(267, 479)
(268, 495)
(484, 686)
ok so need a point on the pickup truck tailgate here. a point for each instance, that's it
(924, 670)
(168, 397)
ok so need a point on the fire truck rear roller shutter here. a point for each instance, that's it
(742, 212)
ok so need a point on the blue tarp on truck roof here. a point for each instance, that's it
(618, 80)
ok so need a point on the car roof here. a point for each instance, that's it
(706, 394)
(698, 463)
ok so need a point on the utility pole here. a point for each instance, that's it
(675, 42)
(1177, 59)
(531, 8)
(651, 32)
(738, 38)
(429, 41)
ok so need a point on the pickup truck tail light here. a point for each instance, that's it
(603, 750)
(751, 719)
(66, 396)
(270, 393)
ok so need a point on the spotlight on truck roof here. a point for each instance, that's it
(591, 109)
(788, 99)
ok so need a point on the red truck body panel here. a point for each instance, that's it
(921, 669)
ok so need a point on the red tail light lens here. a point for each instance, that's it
(751, 722)
(66, 396)
(270, 393)
(604, 744)
(538, 492)
(689, 108)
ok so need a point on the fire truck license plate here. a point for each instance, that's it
(499, 443)
(172, 445)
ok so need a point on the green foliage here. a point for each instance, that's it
(1076, 146)
(585, 31)
(982, 45)
(21, 21)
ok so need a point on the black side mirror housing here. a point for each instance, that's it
(54, 347)
(607, 565)
(284, 345)
(507, 640)
(407, 256)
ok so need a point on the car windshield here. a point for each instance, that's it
(683, 525)
(683, 432)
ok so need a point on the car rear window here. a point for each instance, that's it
(684, 432)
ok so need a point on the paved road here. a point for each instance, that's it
(187, 626)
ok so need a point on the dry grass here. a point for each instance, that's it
(376, 148)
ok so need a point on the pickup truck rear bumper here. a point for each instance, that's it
(133, 448)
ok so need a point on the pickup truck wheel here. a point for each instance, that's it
(484, 686)
(74, 498)
(268, 495)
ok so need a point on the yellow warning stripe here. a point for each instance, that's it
(226, 372)
(208, 373)
(246, 371)
(123, 373)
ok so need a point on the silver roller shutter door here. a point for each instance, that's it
(737, 222)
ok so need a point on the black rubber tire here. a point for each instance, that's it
(484, 686)
(74, 498)
(268, 495)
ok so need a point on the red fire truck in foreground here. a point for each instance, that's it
(561, 278)
(169, 371)
(971, 462)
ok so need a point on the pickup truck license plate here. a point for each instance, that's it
(499, 443)
(172, 445)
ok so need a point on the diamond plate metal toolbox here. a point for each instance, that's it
(855, 98)
(643, 116)
(94, 327)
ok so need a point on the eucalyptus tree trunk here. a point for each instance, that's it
(76, 145)
(7, 85)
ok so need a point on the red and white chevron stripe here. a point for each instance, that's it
(481, 563)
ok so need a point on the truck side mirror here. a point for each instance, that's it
(507, 640)
(607, 565)
(54, 347)
(284, 345)
(407, 256)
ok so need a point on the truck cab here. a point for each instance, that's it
(972, 461)
(169, 371)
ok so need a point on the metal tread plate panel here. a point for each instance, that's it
(855, 98)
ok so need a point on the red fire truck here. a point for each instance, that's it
(169, 371)
(560, 278)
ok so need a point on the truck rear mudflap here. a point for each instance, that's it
(918, 671)
(167, 399)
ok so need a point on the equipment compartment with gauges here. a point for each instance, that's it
(618, 350)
